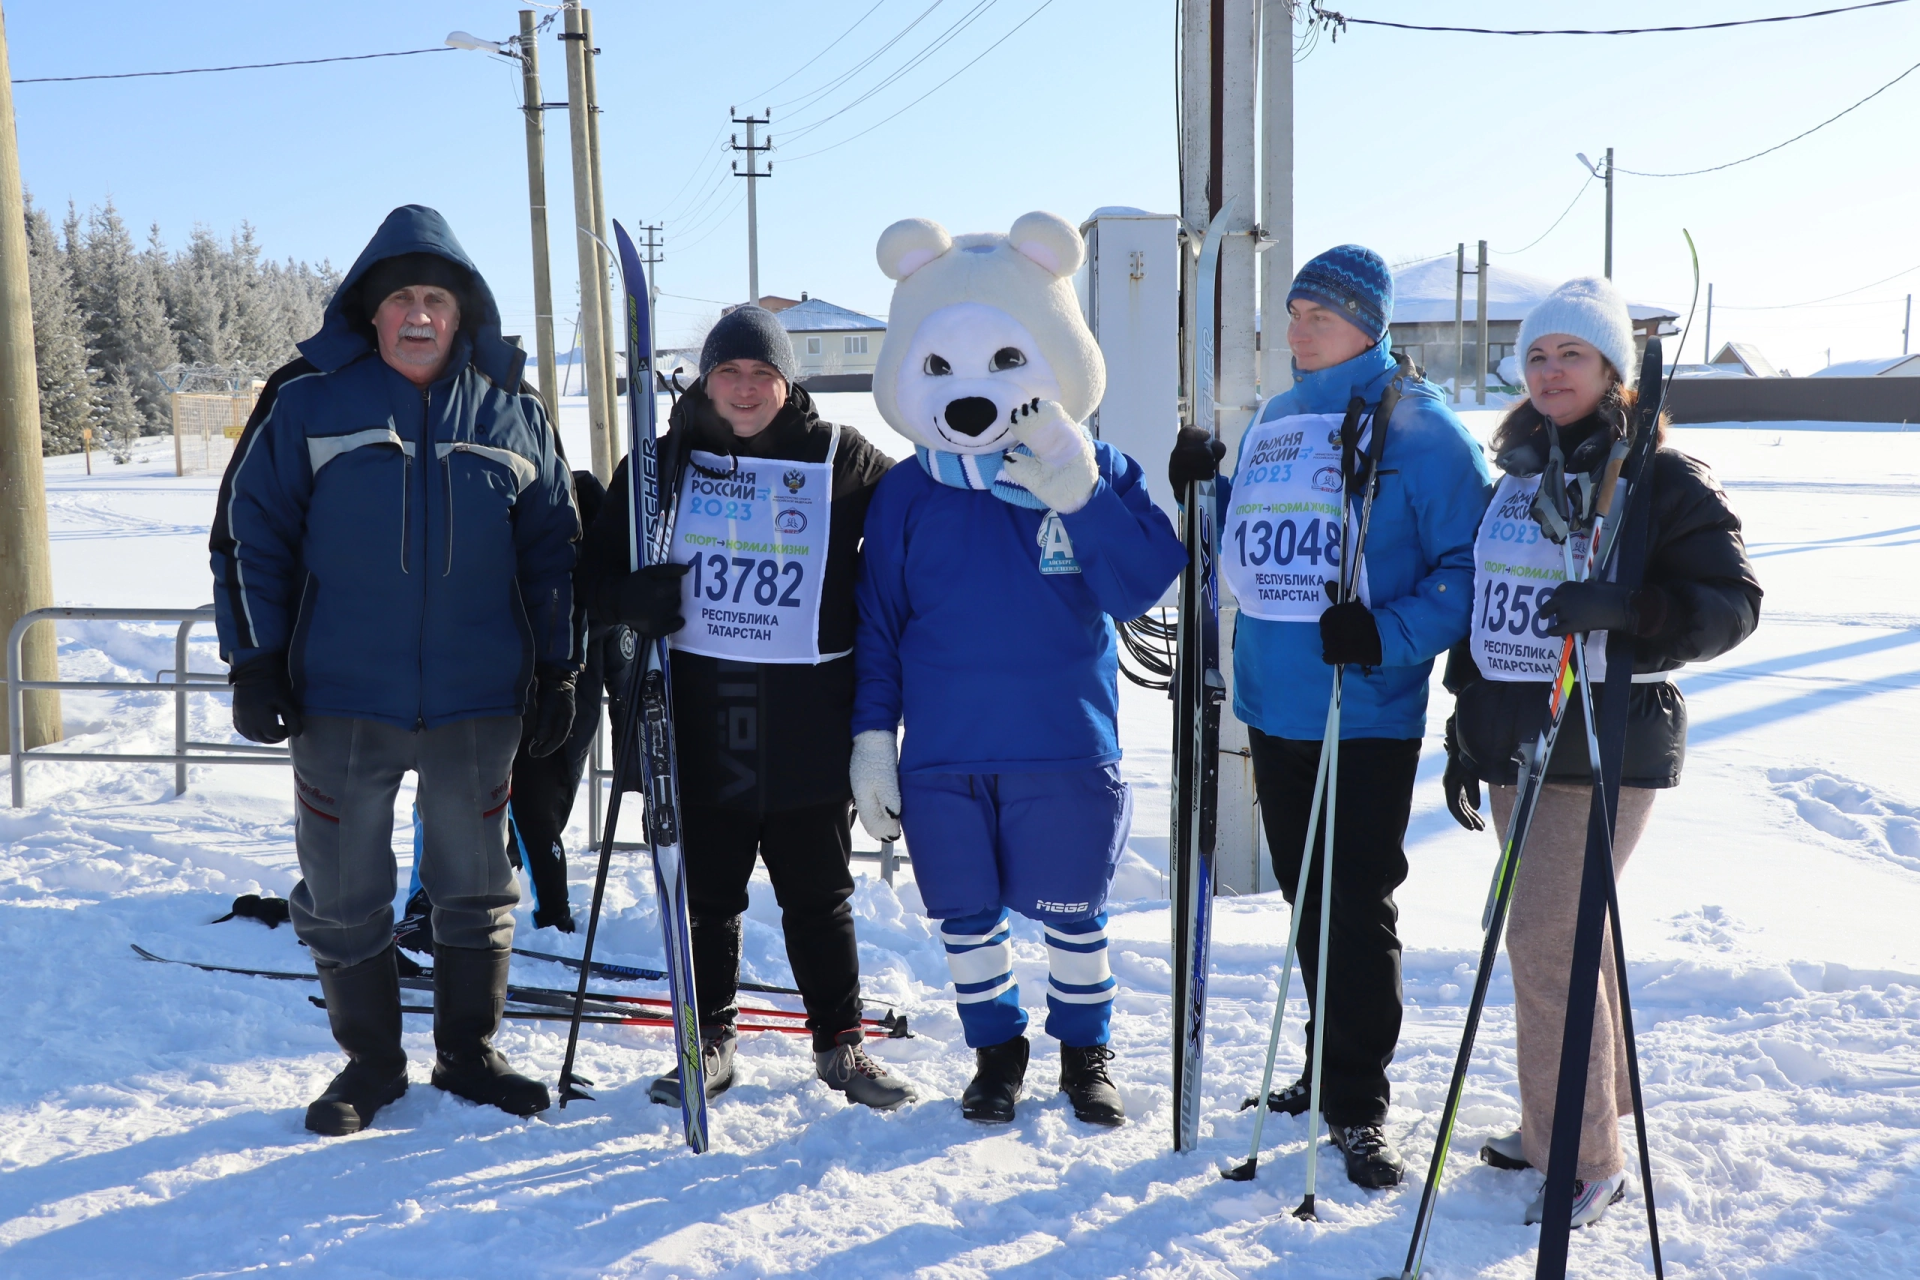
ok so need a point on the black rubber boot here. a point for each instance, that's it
(363, 1007)
(717, 1043)
(469, 993)
(546, 866)
(1084, 1079)
(999, 1070)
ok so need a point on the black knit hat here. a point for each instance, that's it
(389, 274)
(750, 333)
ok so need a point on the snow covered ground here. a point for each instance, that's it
(150, 1116)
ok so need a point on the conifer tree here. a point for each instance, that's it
(126, 321)
(67, 385)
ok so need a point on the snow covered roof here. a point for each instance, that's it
(1748, 357)
(1883, 367)
(1423, 292)
(816, 315)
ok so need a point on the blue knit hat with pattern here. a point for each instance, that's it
(1352, 280)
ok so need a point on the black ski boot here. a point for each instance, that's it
(999, 1070)
(469, 993)
(1371, 1160)
(1084, 1079)
(717, 1042)
(363, 1007)
(1292, 1100)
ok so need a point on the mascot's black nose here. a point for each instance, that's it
(972, 415)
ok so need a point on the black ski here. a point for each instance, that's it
(634, 973)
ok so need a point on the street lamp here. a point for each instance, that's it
(524, 49)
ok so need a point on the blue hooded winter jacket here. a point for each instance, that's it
(409, 549)
(1434, 488)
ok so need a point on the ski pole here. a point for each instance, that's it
(1330, 749)
(1245, 1172)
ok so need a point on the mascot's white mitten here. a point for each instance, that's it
(1061, 471)
(875, 774)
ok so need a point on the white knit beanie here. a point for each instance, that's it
(1590, 309)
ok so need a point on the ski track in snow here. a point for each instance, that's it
(150, 1115)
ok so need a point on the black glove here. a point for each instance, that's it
(1604, 606)
(1348, 634)
(647, 600)
(1196, 456)
(552, 717)
(264, 708)
(1462, 785)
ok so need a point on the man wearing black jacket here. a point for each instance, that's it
(758, 594)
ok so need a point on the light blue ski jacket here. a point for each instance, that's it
(1434, 488)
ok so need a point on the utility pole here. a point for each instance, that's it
(1480, 302)
(26, 569)
(1459, 320)
(654, 257)
(752, 175)
(1708, 358)
(593, 278)
(535, 112)
(1609, 213)
(609, 328)
(1276, 192)
(1906, 329)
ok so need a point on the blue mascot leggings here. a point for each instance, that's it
(1042, 844)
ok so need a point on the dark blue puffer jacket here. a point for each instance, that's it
(410, 550)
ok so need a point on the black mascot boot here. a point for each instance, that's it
(363, 1007)
(469, 993)
(998, 1073)
(1084, 1079)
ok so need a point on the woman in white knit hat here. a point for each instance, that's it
(1699, 598)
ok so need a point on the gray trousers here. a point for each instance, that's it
(347, 774)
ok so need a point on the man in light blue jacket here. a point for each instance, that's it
(1282, 527)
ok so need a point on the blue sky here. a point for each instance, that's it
(1409, 142)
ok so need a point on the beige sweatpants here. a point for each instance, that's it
(1540, 923)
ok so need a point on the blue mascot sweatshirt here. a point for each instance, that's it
(1434, 487)
(994, 666)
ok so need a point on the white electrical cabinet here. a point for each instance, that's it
(1130, 290)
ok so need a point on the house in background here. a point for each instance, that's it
(1883, 367)
(1423, 325)
(1744, 358)
(837, 348)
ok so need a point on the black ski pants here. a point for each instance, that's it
(1363, 981)
(809, 855)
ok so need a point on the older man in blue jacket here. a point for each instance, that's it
(1282, 525)
(392, 559)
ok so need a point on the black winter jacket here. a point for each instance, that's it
(1697, 567)
(768, 737)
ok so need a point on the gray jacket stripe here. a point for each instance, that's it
(324, 449)
(524, 471)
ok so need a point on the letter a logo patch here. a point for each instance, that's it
(1056, 548)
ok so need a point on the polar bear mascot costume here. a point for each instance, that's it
(991, 578)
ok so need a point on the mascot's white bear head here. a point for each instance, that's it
(981, 327)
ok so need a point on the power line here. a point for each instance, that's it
(1337, 22)
(939, 42)
(1689, 173)
(1789, 306)
(857, 23)
(811, 96)
(929, 93)
(1508, 253)
(246, 66)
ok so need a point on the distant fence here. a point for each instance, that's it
(205, 429)
(1794, 399)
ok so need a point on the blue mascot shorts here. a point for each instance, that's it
(1042, 844)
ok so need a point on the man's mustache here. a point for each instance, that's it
(417, 331)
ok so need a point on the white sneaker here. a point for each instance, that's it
(1505, 1153)
(1590, 1199)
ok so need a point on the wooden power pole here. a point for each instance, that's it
(26, 570)
(593, 278)
(535, 112)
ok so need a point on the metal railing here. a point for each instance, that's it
(185, 751)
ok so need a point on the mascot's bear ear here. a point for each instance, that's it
(909, 245)
(1049, 240)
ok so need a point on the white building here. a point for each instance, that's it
(837, 348)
